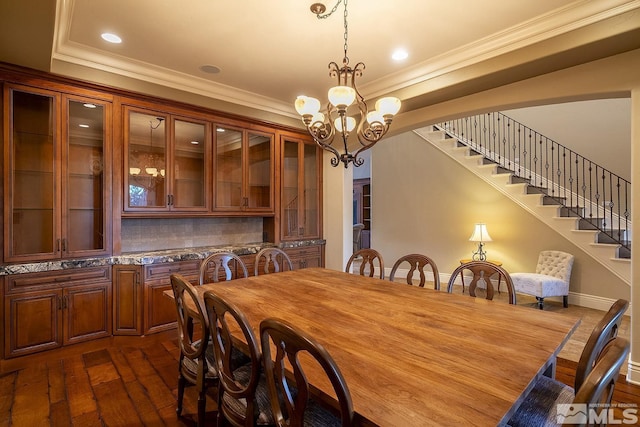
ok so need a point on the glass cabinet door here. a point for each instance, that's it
(300, 191)
(146, 161)
(84, 176)
(259, 171)
(311, 220)
(290, 194)
(30, 180)
(189, 165)
(228, 166)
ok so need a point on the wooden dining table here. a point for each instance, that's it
(411, 356)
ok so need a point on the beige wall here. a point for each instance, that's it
(599, 130)
(424, 202)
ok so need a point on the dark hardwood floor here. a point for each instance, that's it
(128, 381)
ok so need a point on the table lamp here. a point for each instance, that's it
(480, 235)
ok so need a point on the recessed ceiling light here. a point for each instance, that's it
(210, 69)
(111, 38)
(89, 105)
(400, 54)
(83, 125)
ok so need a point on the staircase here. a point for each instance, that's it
(569, 214)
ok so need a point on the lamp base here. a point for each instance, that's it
(480, 254)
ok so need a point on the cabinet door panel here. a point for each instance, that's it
(127, 301)
(32, 323)
(161, 311)
(189, 170)
(30, 211)
(85, 188)
(228, 167)
(146, 160)
(300, 190)
(88, 313)
(259, 171)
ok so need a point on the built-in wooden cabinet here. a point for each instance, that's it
(306, 256)
(56, 178)
(160, 311)
(166, 167)
(244, 170)
(300, 189)
(47, 310)
(127, 300)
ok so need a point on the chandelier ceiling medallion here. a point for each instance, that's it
(343, 100)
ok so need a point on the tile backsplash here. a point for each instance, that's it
(151, 234)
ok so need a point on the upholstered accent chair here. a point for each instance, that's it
(551, 278)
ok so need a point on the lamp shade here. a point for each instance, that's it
(342, 96)
(388, 106)
(307, 105)
(480, 234)
(351, 123)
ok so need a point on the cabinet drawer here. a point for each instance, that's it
(164, 270)
(304, 252)
(49, 279)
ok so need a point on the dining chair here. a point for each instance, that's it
(196, 362)
(551, 278)
(417, 263)
(243, 398)
(274, 260)
(212, 266)
(541, 409)
(368, 259)
(603, 332)
(483, 270)
(289, 389)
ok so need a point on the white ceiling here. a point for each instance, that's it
(271, 51)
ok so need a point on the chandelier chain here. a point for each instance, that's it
(326, 15)
(346, 34)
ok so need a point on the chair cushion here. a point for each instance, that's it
(316, 416)
(239, 406)
(192, 365)
(539, 408)
(540, 285)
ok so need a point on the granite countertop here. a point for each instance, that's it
(146, 258)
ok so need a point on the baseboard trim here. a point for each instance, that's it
(582, 300)
(633, 372)
(594, 301)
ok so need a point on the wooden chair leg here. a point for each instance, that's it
(565, 301)
(181, 384)
(202, 401)
(540, 303)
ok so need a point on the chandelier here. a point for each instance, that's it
(345, 99)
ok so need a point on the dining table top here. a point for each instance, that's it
(411, 356)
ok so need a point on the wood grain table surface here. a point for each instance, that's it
(411, 356)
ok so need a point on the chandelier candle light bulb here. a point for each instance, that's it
(323, 126)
